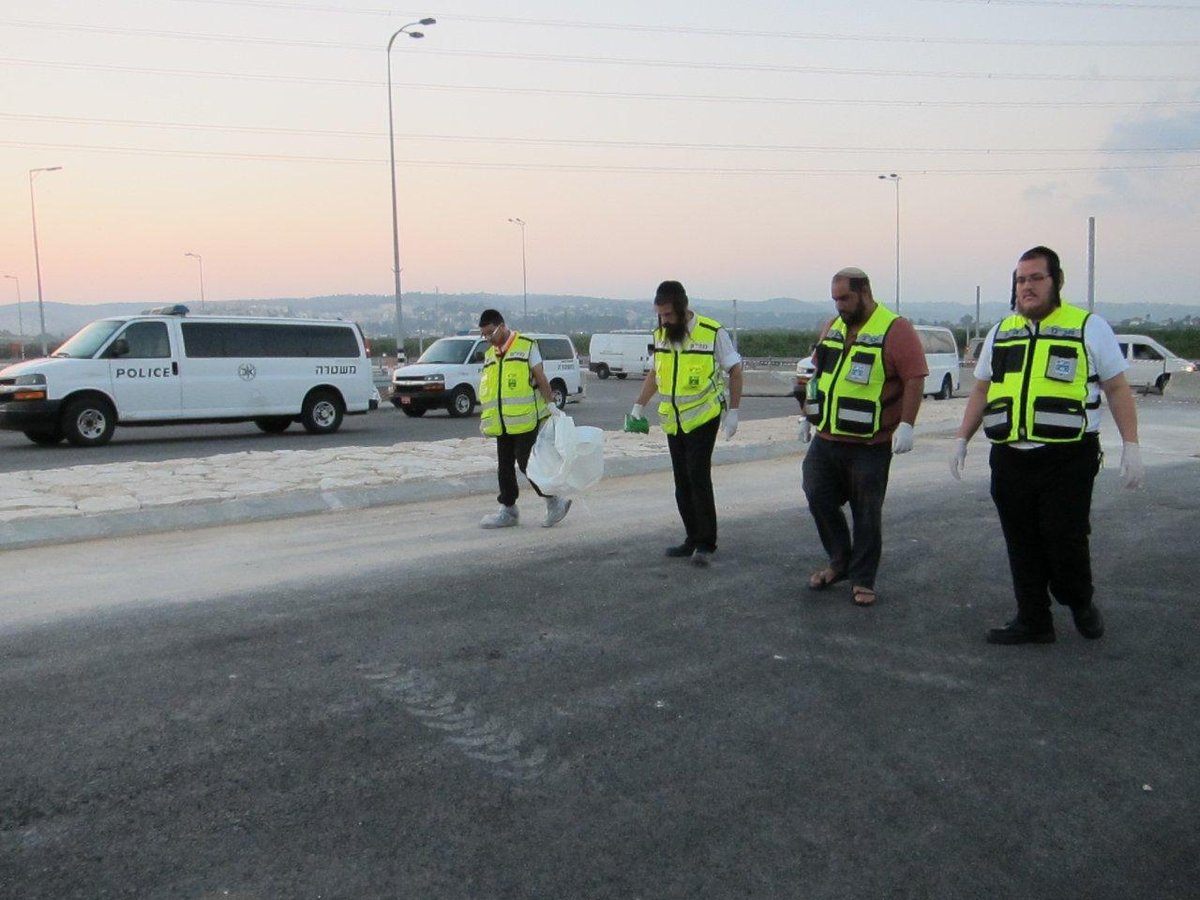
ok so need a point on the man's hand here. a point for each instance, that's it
(635, 421)
(555, 411)
(1133, 473)
(805, 430)
(902, 440)
(958, 460)
(731, 423)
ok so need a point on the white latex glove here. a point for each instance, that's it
(805, 430)
(1133, 473)
(902, 439)
(555, 411)
(637, 412)
(731, 423)
(958, 460)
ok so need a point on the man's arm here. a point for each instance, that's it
(1122, 406)
(649, 388)
(735, 386)
(910, 401)
(543, 386)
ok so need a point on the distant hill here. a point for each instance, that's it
(438, 314)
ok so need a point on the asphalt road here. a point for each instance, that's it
(394, 703)
(605, 406)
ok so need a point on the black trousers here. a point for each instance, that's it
(512, 451)
(691, 463)
(1044, 498)
(837, 473)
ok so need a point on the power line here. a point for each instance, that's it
(587, 142)
(599, 167)
(617, 95)
(730, 32)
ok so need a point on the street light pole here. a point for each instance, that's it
(37, 261)
(403, 29)
(199, 259)
(20, 317)
(896, 178)
(524, 275)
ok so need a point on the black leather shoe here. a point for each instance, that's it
(683, 550)
(1088, 621)
(1017, 632)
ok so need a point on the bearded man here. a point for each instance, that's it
(862, 401)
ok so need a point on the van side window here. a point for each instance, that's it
(556, 348)
(147, 340)
(202, 340)
(1142, 351)
(1124, 349)
(937, 342)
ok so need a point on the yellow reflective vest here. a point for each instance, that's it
(848, 399)
(509, 399)
(1040, 384)
(690, 382)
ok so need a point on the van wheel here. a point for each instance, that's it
(1161, 383)
(274, 425)
(947, 390)
(462, 402)
(89, 421)
(558, 392)
(322, 413)
(413, 412)
(45, 438)
(621, 376)
(602, 372)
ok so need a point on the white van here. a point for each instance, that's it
(163, 368)
(447, 374)
(941, 356)
(1150, 363)
(621, 353)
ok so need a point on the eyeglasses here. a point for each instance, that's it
(1036, 278)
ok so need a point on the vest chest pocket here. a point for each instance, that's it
(860, 368)
(998, 419)
(827, 358)
(1007, 359)
(1062, 364)
(1057, 419)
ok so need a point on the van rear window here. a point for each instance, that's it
(938, 342)
(556, 348)
(203, 340)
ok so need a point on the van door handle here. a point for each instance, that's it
(174, 367)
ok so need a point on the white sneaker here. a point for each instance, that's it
(504, 517)
(556, 510)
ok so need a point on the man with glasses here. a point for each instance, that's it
(1037, 391)
(862, 400)
(515, 399)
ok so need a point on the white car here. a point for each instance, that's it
(1150, 363)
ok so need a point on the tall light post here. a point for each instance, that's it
(20, 317)
(524, 274)
(896, 178)
(37, 261)
(403, 29)
(199, 259)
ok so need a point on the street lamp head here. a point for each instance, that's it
(427, 22)
(415, 34)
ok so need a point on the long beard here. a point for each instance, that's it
(854, 316)
(676, 332)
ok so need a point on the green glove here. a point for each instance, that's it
(639, 425)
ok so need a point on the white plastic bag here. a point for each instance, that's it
(567, 459)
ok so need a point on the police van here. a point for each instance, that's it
(447, 374)
(166, 368)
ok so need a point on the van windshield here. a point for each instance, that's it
(85, 342)
(451, 351)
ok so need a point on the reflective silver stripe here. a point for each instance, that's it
(517, 401)
(854, 415)
(692, 398)
(489, 407)
(1012, 333)
(695, 412)
(527, 419)
(1059, 331)
(1063, 420)
(995, 420)
(869, 340)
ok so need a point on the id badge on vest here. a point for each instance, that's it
(1061, 368)
(860, 369)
